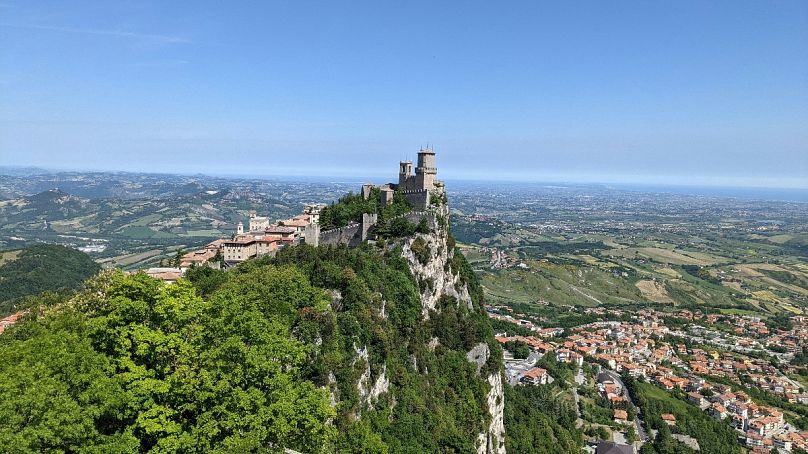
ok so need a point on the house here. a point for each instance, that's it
(286, 233)
(576, 359)
(239, 249)
(753, 439)
(620, 416)
(608, 447)
(696, 399)
(718, 411)
(168, 275)
(299, 223)
(664, 383)
(202, 256)
(535, 376)
(669, 419)
(634, 370)
(10, 320)
(679, 382)
(199, 257)
(696, 383)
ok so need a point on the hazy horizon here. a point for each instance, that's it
(775, 193)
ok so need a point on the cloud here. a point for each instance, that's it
(154, 38)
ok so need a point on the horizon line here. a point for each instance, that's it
(378, 174)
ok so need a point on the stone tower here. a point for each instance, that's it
(426, 170)
(404, 173)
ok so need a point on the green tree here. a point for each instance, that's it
(41, 268)
(134, 364)
(631, 434)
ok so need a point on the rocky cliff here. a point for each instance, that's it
(431, 257)
(379, 348)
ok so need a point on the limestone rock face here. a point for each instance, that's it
(430, 261)
(370, 394)
(380, 387)
(363, 386)
(442, 280)
(479, 355)
(493, 441)
(436, 272)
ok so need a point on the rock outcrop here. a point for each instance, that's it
(430, 260)
(493, 441)
(429, 257)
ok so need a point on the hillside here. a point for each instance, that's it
(133, 220)
(41, 268)
(381, 348)
(274, 351)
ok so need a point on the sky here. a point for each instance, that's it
(684, 92)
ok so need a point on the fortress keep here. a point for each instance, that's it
(424, 178)
(415, 187)
(263, 237)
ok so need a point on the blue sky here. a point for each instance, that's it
(647, 92)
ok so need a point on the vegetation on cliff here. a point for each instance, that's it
(350, 207)
(132, 364)
(249, 360)
(317, 349)
(538, 421)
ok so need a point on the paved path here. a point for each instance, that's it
(638, 423)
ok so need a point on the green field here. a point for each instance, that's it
(668, 256)
(560, 284)
(205, 233)
(577, 271)
(8, 256)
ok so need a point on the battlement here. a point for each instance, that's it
(352, 234)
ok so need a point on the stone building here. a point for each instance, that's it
(415, 187)
(258, 223)
(425, 172)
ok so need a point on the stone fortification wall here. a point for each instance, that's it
(355, 233)
(419, 198)
(351, 235)
(416, 216)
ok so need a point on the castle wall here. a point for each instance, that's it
(366, 188)
(350, 235)
(419, 199)
(368, 221)
(416, 216)
(311, 234)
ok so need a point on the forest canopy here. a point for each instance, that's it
(40, 268)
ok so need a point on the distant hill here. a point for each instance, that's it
(40, 268)
(21, 171)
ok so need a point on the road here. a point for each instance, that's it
(638, 423)
(579, 380)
